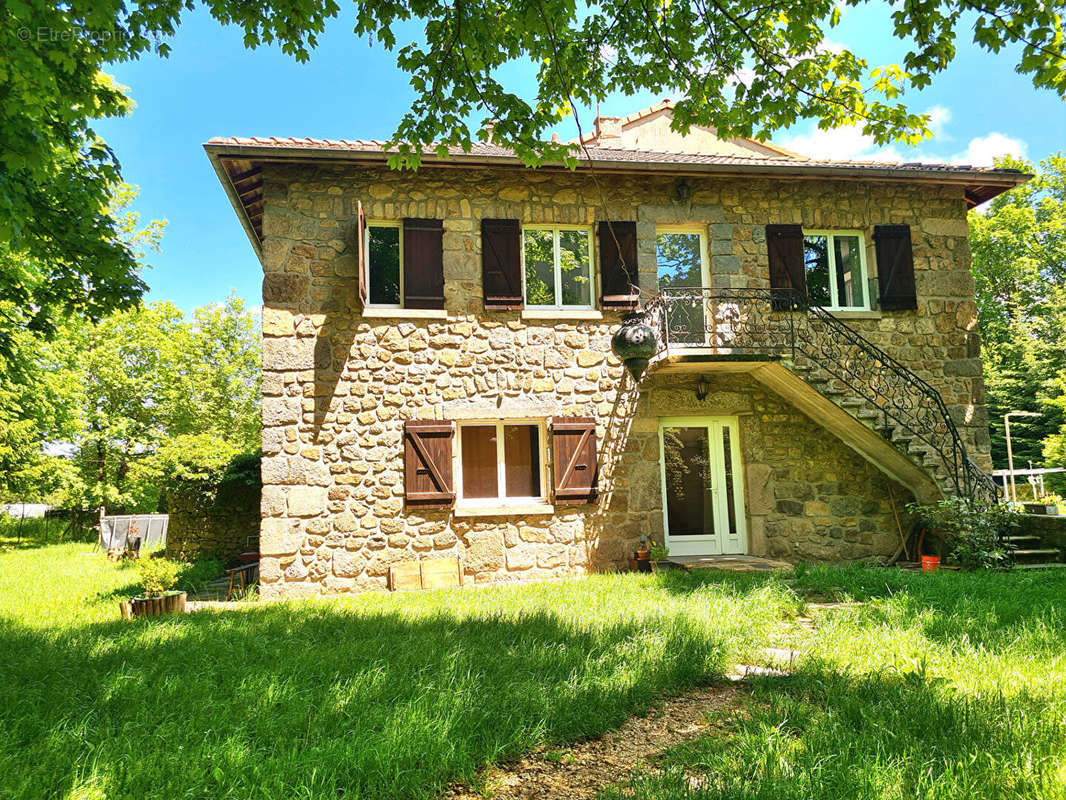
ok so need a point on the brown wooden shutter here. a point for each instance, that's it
(895, 267)
(618, 265)
(784, 245)
(423, 263)
(574, 468)
(501, 263)
(427, 463)
(360, 237)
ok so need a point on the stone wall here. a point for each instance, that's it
(200, 530)
(337, 386)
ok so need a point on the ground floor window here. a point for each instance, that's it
(501, 462)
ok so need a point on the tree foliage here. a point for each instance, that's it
(742, 67)
(1019, 266)
(136, 392)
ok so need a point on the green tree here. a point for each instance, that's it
(140, 379)
(744, 68)
(1019, 266)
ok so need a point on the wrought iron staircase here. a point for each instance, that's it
(831, 357)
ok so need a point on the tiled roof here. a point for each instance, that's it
(605, 155)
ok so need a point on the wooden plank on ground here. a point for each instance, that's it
(440, 573)
(405, 576)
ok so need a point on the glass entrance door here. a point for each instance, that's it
(703, 495)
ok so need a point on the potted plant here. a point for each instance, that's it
(658, 553)
(643, 556)
(158, 576)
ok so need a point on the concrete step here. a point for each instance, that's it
(1050, 565)
(1038, 555)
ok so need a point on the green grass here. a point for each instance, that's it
(388, 696)
(940, 686)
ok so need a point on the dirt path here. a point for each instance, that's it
(584, 769)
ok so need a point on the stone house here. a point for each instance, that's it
(439, 379)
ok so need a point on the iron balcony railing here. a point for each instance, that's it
(750, 322)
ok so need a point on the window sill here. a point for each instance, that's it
(405, 313)
(561, 313)
(855, 313)
(503, 509)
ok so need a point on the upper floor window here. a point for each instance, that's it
(835, 263)
(384, 257)
(557, 266)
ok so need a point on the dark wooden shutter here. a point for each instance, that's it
(574, 467)
(501, 263)
(784, 245)
(427, 463)
(360, 237)
(423, 263)
(618, 265)
(895, 267)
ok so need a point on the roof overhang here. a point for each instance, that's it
(239, 168)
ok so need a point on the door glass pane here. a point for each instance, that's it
(689, 497)
(679, 264)
(383, 251)
(540, 268)
(849, 271)
(521, 448)
(479, 461)
(727, 485)
(574, 261)
(816, 262)
(677, 257)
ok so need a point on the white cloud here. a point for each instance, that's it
(847, 143)
(983, 149)
(939, 117)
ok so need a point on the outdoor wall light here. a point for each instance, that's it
(683, 191)
(702, 389)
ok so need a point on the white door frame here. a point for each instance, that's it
(715, 544)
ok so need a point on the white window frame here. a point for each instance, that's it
(705, 261)
(501, 498)
(834, 300)
(382, 223)
(557, 268)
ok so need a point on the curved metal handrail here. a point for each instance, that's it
(764, 321)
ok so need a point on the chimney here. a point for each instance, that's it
(608, 130)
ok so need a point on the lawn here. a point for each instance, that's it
(951, 685)
(935, 687)
(388, 696)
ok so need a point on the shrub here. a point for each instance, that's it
(195, 576)
(157, 575)
(974, 537)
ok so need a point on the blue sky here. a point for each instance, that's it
(212, 86)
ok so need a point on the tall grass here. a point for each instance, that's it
(939, 686)
(388, 696)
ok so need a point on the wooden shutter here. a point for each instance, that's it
(360, 237)
(784, 245)
(574, 468)
(423, 263)
(501, 263)
(895, 267)
(427, 463)
(618, 265)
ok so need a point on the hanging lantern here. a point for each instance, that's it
(634, 343)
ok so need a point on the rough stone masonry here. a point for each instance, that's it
(337, 387)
